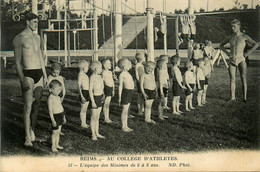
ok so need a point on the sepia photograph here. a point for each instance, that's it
(130, 85)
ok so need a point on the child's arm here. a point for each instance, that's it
(121, 80)
(63, 89)
(161, 83)
(197, 78)
(222, 44)
(142, 86)
(113, 85)
(50, 106)
(83, 100)
(178, 79)
(91, 94)
(140, 72)
(187, 82)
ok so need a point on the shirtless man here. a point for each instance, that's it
(237, 56)
(32, 74)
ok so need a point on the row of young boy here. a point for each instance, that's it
(100, 86)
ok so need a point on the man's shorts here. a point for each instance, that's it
(98, 101)
(59, 118)
(206, 81)
(126, 96)
(35, 74)
(165, 92)
(150, 93)
(108, 91)
(202, 83)
(187, 91)
(85, 94)
(176, 89)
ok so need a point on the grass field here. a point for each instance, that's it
(218, 125)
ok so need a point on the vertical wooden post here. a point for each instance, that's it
(177, 35)
(190, 12)
(65, 35)
(150, 31)
(45, 49)
(118, 31)
(95, 31)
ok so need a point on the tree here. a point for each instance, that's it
(245, 6)
(202, 10)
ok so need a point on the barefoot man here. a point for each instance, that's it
(32, 74)
(237, 56)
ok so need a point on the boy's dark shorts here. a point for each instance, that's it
(165, 92)
(187, 91)
(98, 101)
(59, 118)
(126, 96)
(206, 81)
(195, 62)
(150, 93)
(85, 94)
(108, 91)
(138, 86)
(176, 89)
(202, 83)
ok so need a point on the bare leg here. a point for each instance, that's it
(97, 124)
(204, 94)
(199, 97)
(232, 74)
(178, 104)
(53, 140)
(140, 104)
(243, 72)
(83, 114)
(106, 110)
(124, 117)
(147, 111)
(93, 123)
(58, 139)
(174, 106)
(160, 109)
(190, 101)
(187, 102)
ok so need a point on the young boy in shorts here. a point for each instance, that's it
(55, 75)
(109, 88)
(148, 88)
(200, 81)
(207, 73)
(163, 86)
(165, 72)
(56, 113)
(125, 91)
(139, 70)
(176, 85)
(96, 91)
(190, 82)
(196, 55)
(83, 83)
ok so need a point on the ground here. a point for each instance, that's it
(216, 126)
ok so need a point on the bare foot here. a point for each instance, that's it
(100, 136)
(180, 111)
(188, 110)
(165, 116)
(166, 107)
(84, 125)
(94, 138)
(108, 121)
(161, 118)
(200, 105)
(130, 116)
(32, 135)
(54, 149)
(192, 107)
(176, 113)
(28, 142)
(127, 129)
(62, 134)
(140, 113)
(59, 147)
(151, 122)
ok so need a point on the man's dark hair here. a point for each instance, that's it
(29, 16)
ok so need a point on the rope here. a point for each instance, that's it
(136, 36)
(130, 7)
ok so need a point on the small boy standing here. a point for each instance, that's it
(56, 113)
(190, 82)
(196, 54)
(163, 86)
(200, 81)
(109, 88)
(207, 73)
(148, 88)
(83, 83)
(96, 91)
(139, 70)
(176, 85)
(166, 75)
(55, 75)
(125, 91)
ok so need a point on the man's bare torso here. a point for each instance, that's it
(237, 45)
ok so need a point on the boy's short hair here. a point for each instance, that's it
(175, 59)
(82, 64)
(205, 58)
(104, 61)
(55, 66)
(122, 63)
(54, 83)
(94, 65)
(236, 21)
(188, 64)
(139, 57)
(163, 57)
(160, 63)
(150, 64)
